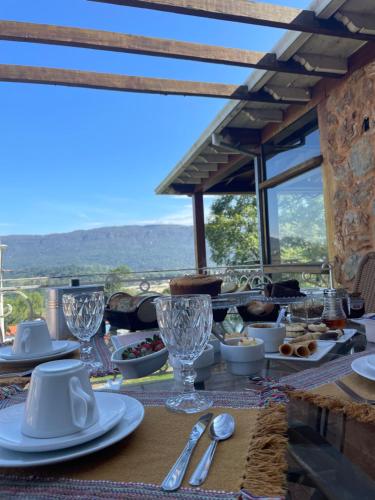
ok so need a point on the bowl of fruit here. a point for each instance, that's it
(142, 358)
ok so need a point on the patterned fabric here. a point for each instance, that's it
(33, 487)
(329, 372)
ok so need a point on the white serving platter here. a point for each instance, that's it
(324, 347)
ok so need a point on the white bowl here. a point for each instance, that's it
(203, 364)
(272, 337)
(243, 359)
(139, 367)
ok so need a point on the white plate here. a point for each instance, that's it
(324, 346)
(130, 421)
(363, 367)
(71, 347)
(57, 346)
(348, 334)
(111, 409)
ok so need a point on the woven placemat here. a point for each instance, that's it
(253, 459)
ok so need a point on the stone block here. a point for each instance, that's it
(350, 266)
(362, 157)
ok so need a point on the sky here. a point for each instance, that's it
(73, 158)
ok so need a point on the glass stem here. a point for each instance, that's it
(86, 350)
(188, 376)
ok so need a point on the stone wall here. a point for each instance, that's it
(347, 126)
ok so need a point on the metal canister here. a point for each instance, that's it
(55, 316)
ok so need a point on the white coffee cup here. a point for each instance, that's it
(272, 334)
(32, 337)
(60, 400)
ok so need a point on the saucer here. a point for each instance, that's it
(111, 410)
(71, 346)
(57, 347)
(129, 422)
(362, 367)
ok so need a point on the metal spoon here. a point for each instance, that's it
(222, 427)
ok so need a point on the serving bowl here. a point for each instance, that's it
(243, 359)
(139, 367)
(272, 334)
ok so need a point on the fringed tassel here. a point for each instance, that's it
(361, 412)
(266, 458)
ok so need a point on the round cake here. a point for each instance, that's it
(197, 284)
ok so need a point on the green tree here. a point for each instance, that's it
(233, 235)
(20, 307)
(232, 231)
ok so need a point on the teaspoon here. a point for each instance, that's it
(221, 428)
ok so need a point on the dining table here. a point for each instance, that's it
(302, 431)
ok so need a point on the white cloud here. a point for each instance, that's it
(183, 216)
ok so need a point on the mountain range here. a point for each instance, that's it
(152, 247)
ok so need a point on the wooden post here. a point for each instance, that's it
(199, 232)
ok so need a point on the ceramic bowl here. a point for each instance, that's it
(243, 359)
(272, 337)
(139, 367)
(203, 364)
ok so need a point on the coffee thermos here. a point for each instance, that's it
(55, 316)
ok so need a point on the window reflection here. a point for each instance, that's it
(296, 220)
(282, 161)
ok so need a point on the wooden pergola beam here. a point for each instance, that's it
(124, 83)
(135, 44)
(257, 13)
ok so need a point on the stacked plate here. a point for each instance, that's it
(119, 415)
(63, 418)
(59, 349)
(365, 366)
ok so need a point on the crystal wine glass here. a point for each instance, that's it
(84, 313)
(185, 324)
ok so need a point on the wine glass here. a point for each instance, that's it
(83, 314)
(185, 323)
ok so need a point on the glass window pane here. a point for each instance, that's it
(296, 220)
(282, 161)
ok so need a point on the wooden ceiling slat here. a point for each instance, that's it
(135, 44)
(257, 13)
(124, 83)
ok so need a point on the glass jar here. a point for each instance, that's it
(354, 306)
(333, 313)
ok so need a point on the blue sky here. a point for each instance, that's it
(79, 158)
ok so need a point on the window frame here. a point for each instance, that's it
(263, 184)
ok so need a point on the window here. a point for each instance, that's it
(303, 149)
(297, 232)
(294, 218)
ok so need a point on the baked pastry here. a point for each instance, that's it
(321, 327)
(295, 327)
(196, 284)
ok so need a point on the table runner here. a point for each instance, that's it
(254, 459)
(360, 386)
(328, 372)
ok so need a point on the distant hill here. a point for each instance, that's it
(153, 247)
